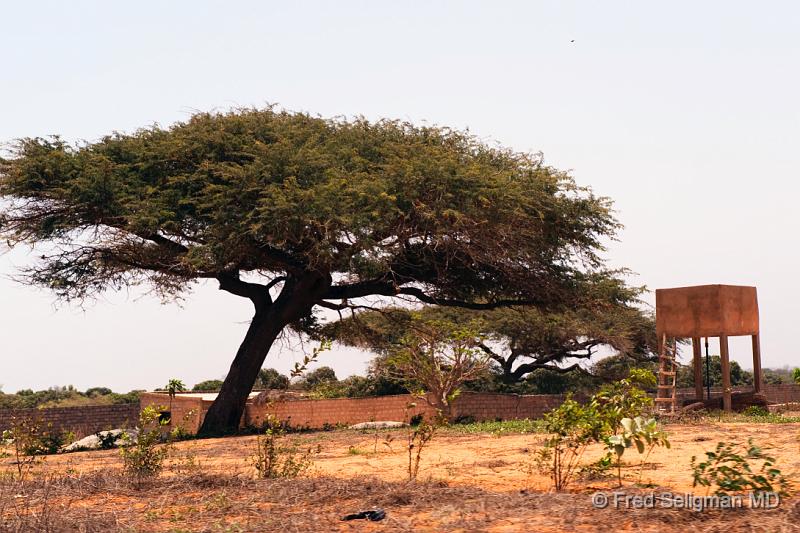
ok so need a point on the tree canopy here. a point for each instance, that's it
(522, 340)
(314, 212)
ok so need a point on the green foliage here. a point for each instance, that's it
(300, 368)
(175, 386)
(262, 190)
(273, 459)
(623, 398)
(335, 209)
(572, 428)
(523, 342)
(617, 367)
(734, 467)
(739, 376)
(209, 385)
(612, 417)
(418, 437)
(143, 457)
(32, 437)
(26, 436)
(64, 397)
(269, 378)
(439, 357)
(752, 417)
(498, 428)
(796, 375)
(756, 410)
(319, 376)
(643, 434)
(777, 376)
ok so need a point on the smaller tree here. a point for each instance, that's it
(314, 378)
(796, 375)
(439, 356)
(209, 385)
(269, 378)
(174, 386)
(739, 376)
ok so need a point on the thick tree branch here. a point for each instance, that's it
(421, 296)
(385, 288)
(256, 292)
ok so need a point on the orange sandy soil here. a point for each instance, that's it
(468, 482)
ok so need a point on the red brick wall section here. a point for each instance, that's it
(185, 411)
(83, 420)
(783, 393)
(338, 411)
(317, 414)
(348, 411)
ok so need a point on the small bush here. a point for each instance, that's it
(25, 436)
(143, 457)
(733, 468)
(756, 410)
(418, 438)
(275, 460)
(643, 434)
(572, 428)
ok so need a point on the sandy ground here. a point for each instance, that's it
(475, 478)
(485, 461)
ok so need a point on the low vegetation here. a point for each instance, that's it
(734, 467)
(274, 458)
(143, 456)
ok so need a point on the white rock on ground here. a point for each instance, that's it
(377, 425)
(92, 442)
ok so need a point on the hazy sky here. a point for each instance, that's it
(685, 113)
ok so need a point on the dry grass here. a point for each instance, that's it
(104, 502)
(471, 482)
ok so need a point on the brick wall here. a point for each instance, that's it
(783, 393)
(319, 413)
(189, 410)
(186, 411)
(83, 420)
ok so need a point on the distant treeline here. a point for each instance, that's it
(67, 396)
(323, 383)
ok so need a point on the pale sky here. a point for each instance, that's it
(685, 113)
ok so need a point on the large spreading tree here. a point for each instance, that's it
(296, 213)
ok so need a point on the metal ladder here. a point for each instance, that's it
(666, 398)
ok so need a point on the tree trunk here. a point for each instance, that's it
(295, 301)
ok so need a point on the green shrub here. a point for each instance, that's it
(25, 436)
(624, 398)
(572, 427)
(756, 410)
(419, 437)
(612, 417)
(143, 457)
(734, 467)
(273, 459)
(644, 434)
